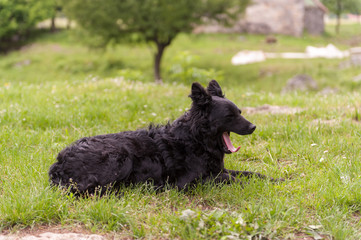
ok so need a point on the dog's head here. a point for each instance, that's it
(223, 116)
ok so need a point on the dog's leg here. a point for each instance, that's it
(186, 182)
(225, 177)
(248, 174)
(245, 174)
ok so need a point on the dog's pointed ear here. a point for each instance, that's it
(199, 95)
(214, 89)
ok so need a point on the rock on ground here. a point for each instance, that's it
(301, 82)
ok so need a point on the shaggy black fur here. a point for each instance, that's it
(190, 149)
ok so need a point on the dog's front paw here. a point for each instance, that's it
(277, 180)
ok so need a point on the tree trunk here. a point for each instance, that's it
(52, 26)
(68, 23)
(158, 59)
(338, 13)
(338, 23)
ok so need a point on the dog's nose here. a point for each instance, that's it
(252, 127)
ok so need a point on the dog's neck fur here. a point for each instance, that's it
(194, 121)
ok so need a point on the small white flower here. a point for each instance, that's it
(345, 179)
(313, 144)
(201, 224)
(326, 151)
(187, 214)
(154, 114)
(240, 221)
(322, 159)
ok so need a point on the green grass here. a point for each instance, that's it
(67, 92)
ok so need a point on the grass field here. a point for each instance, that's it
(55, 90)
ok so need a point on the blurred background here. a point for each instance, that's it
(259, 44)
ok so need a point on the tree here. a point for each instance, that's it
(154, 21)
(341, 6)
(17, 17)
(54, 8)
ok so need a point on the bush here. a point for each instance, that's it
(183, 70)
(17, 17)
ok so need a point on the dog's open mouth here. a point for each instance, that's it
(228, 144)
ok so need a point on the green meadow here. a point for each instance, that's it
(55, 90)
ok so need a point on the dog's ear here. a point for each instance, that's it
(214, 89)
(199, 95)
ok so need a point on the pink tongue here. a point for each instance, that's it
(229, 144)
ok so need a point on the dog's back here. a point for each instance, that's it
(106, 159)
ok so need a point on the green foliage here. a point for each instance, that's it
(343, 6)
(215, 224)
(149, 20)
(183, 70)
(154, 21)
(340, 7)
(17, 17)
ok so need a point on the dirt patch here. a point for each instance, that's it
(53, 233)
(330, 122)
(54, 236)
(268, 109)
(309, 236)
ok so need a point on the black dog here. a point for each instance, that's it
(181, 153)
